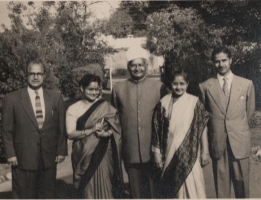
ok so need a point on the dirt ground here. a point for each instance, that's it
(65, 188)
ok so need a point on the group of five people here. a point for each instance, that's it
(164, 138)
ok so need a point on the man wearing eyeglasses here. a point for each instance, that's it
(33, 136)
(135, 99)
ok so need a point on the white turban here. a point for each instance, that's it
(136, 52)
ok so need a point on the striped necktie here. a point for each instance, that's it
(38, 110)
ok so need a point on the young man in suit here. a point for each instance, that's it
(135, 99)
(230, 101)
(33, 136)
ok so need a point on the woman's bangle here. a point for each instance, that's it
(83, 133)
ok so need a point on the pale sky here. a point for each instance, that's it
(101, 10)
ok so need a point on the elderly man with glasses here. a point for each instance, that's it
(33, 136)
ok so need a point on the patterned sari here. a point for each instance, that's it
(96, 161)
(177, 130)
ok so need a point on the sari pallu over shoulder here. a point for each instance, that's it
(185, 157)
(88, 152)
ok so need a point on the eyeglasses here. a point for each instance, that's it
(31, 74)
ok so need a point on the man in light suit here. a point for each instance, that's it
(230, 101)
(33, 136)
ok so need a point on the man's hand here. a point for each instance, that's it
(12, 161)
(204, 159)
(158, 160)
(59, 159)
(258, 154)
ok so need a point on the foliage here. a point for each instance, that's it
(185, 41)
(59, 33)
(120, 72)
(185, 32)
(137, 11)
(242, 19)
(119, 25)
(70, 79)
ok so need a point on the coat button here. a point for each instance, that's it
(40, 131)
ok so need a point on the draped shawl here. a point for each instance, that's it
(186, 114)
(88, 152)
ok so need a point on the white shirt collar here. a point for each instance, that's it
(229, 77)
(31, 91)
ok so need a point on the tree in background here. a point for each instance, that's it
(60, 34)
(129, 18)
(120, 24)
(184, 40)
(242, 22)
(236, 24)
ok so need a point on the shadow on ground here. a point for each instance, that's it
(65, 190)
(6, 195)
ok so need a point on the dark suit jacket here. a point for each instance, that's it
(21, 135)
(232, 122)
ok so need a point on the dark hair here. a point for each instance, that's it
(38, 62)
(221, 50)
(88, 78)
(145, 61)
(176, 72)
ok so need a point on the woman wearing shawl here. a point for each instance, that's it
(179, 141)
(94, 126)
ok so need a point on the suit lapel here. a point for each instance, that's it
(217, 94)
(48, 105)
(234, 93)
(27, 104)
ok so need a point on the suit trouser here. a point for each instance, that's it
(32, 184)
(140, 180)
(228, 169)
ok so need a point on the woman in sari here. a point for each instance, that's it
(179, 141)
(93, 125)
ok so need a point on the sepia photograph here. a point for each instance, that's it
(139, 99)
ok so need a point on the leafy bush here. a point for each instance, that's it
(120, 72)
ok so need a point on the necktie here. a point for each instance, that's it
(225, 87)
(38, 109)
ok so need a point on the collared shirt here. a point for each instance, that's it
(32, 96)
(229, 78)
(135, 101)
